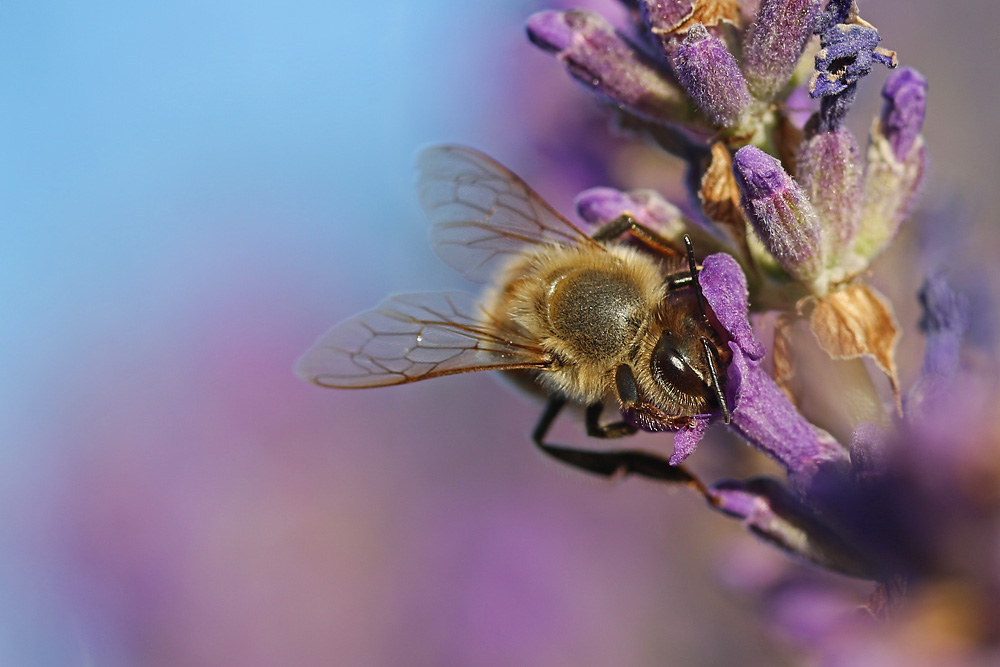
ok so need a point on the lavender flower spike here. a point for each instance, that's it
(896, 161)
(774, 43)
(781, 214)
(711, 76)
(600, 59)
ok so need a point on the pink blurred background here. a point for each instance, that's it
(192, 194)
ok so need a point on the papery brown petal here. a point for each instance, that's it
(787, 141)
(719, 194)
(781, 355)
(709, 13)
(855, 321)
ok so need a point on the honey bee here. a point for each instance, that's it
(613, 316)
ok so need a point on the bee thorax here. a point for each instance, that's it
(595, 313)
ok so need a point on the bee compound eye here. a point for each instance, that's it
(671, 368)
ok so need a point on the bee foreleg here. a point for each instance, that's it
(605, 464)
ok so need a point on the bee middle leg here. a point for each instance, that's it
(604, 463)
(626, 223)
(595, 429)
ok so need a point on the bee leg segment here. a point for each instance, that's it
(606, 464)
(626, 223)
(595, 429)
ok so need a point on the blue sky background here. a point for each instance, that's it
(190, 193)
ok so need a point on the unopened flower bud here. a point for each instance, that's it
(711, 76)
(774, 43)
(780, 213)
(662, 16)
(905, 94)
(829, 171)
(603, 61)
(896, 162)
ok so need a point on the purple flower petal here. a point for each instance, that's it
(725, 289)
(761, 412)
(686, 440)
(763, 416)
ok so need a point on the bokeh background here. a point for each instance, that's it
(190, 194)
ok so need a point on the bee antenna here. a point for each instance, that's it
(716, 387)
(693, 267)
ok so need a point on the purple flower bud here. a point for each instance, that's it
(603, 61)
(780, 212)
(905, 95)
(662, 15)
(775, 41)
(896, 163)
(829, 170)
(711, 76)
(600, 206)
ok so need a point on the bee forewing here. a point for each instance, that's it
(482, 212)
(414, 337)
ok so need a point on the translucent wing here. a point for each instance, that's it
(414, 337)
(483, 213)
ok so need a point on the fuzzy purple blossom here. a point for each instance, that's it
(848, 50)
(761, 412)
